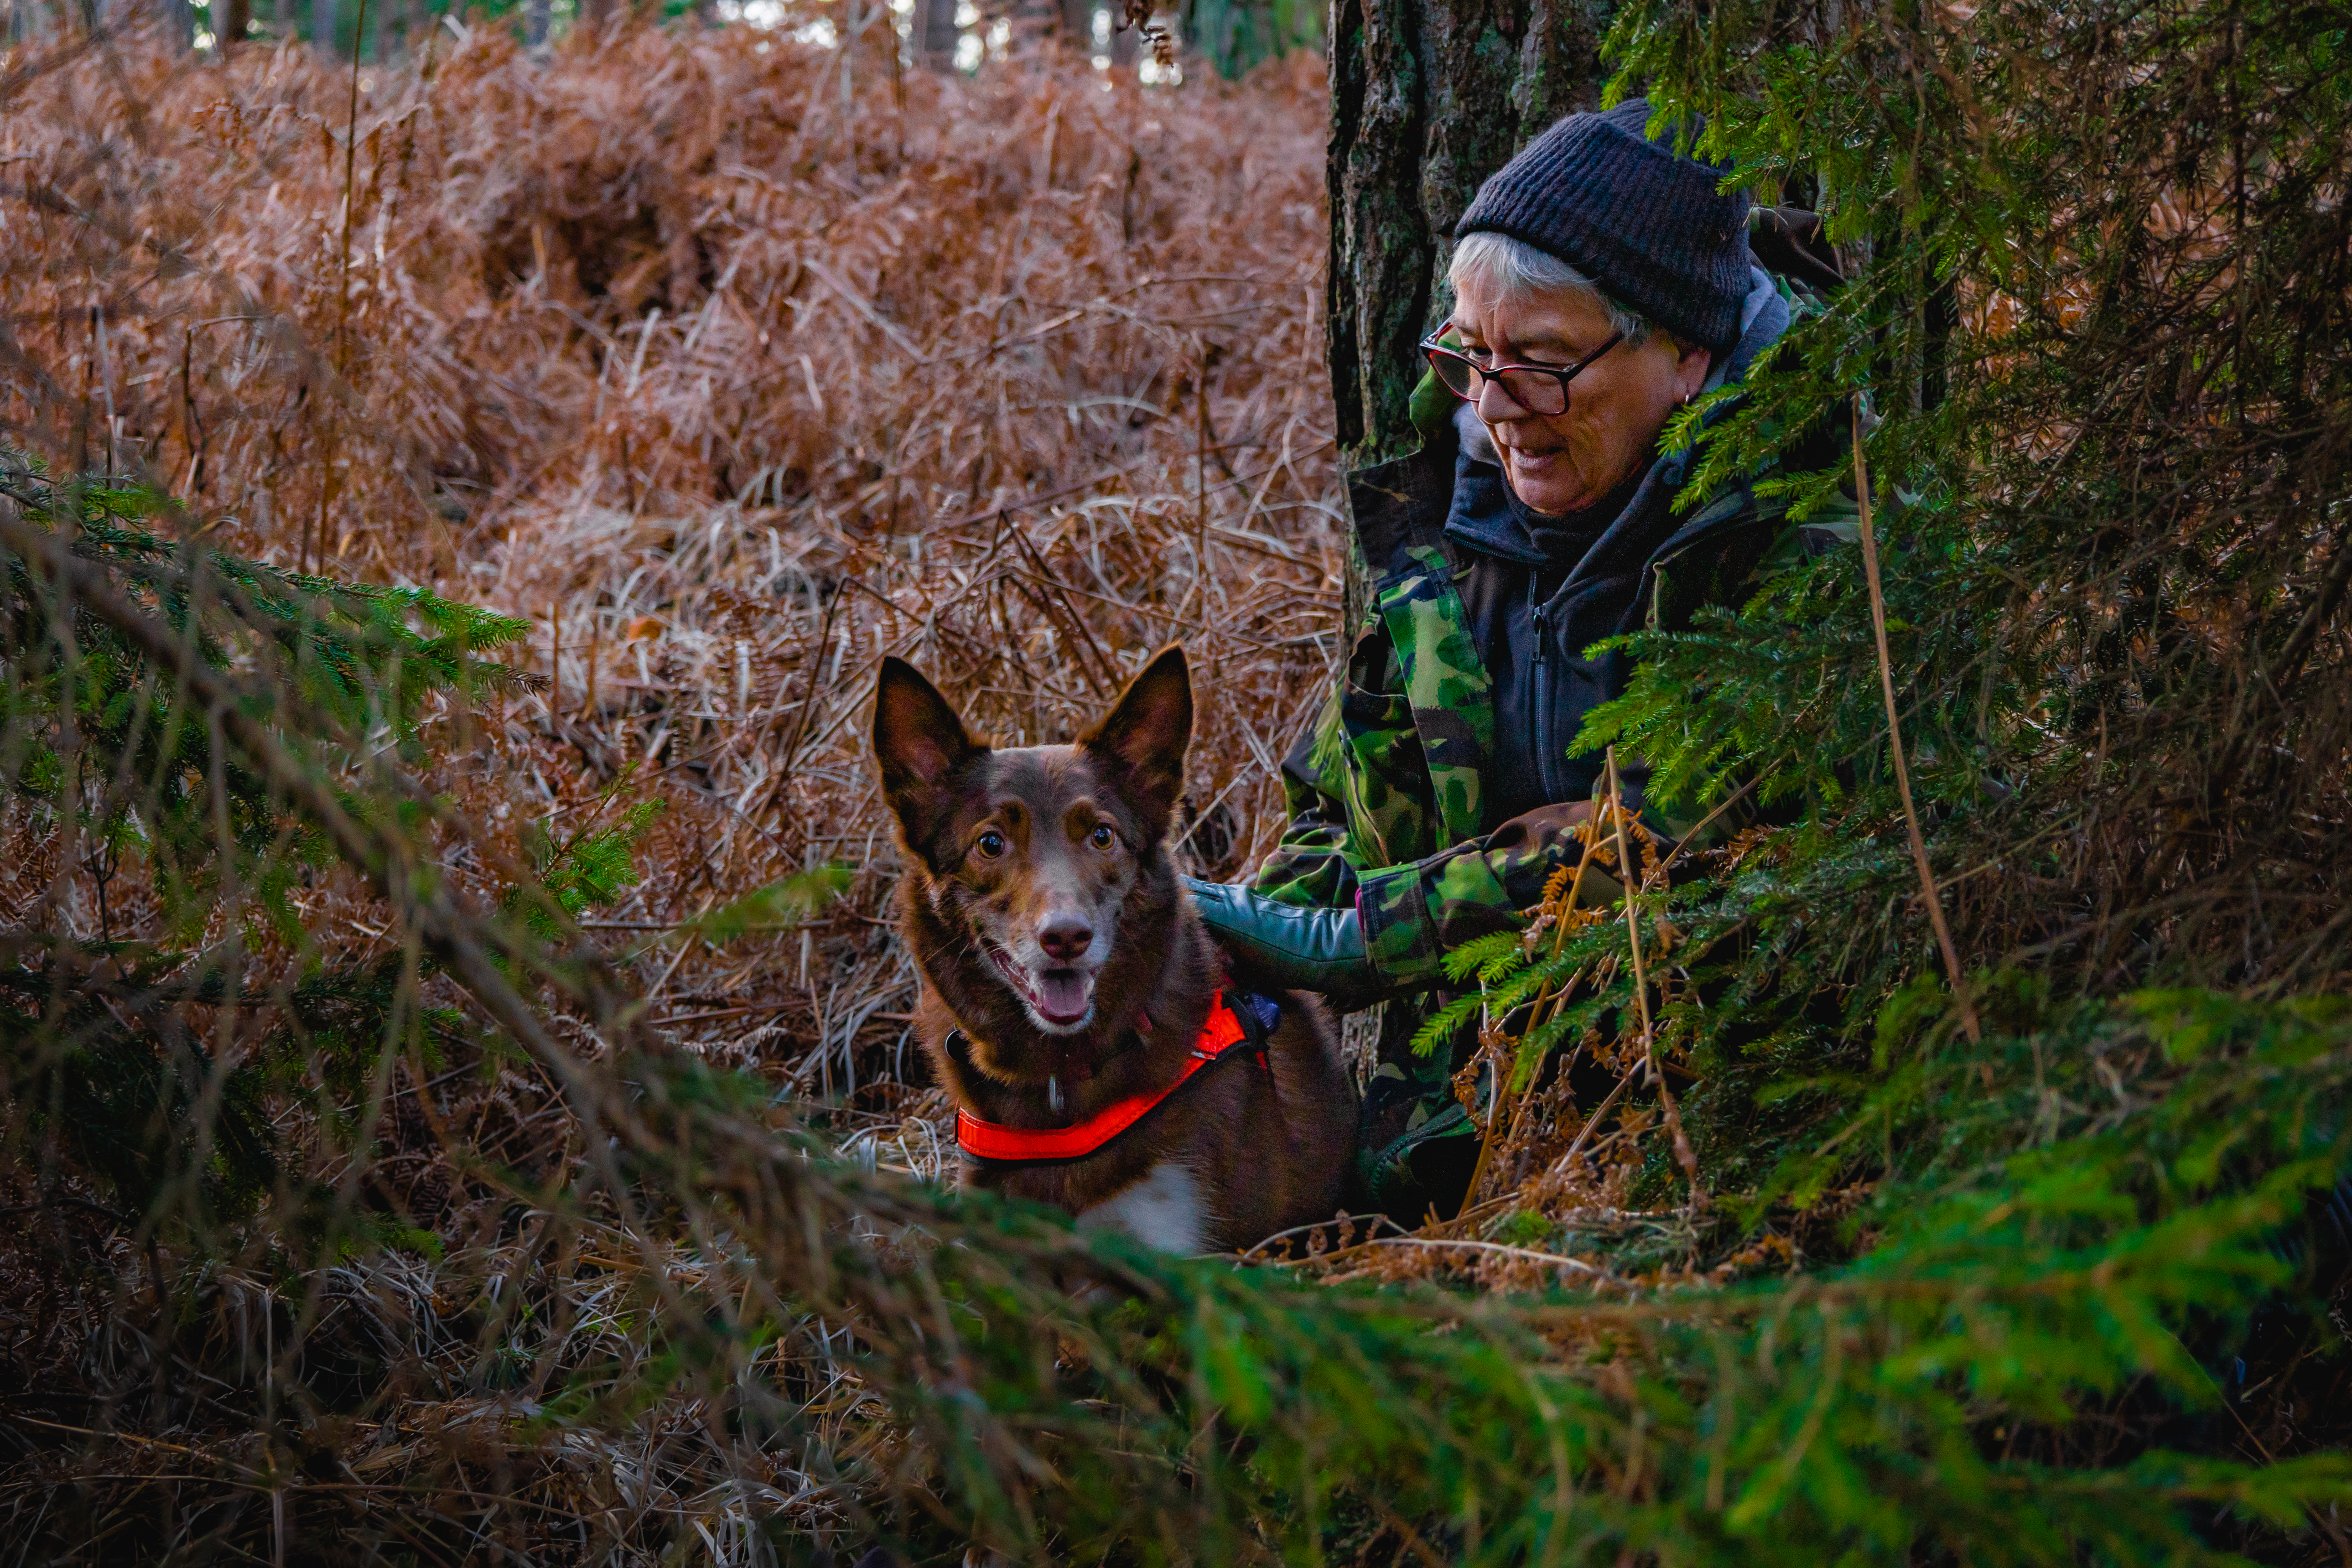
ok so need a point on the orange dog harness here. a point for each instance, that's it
(1220, 1037)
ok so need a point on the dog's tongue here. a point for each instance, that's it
(1062, 994)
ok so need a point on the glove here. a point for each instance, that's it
(1293, 946)
(1413, 913)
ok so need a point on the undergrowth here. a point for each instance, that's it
(365, 1205)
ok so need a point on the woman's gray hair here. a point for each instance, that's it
(1516, 268)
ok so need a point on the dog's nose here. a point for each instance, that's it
(1064, 937)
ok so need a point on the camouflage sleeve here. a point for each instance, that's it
(1357, 784)
(1834, 522)
(1413, 913)
(1312, 864)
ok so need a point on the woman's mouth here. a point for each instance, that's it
(1060, 1000)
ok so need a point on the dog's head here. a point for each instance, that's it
(1033, 851)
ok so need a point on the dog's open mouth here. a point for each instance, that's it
(1063, 1000)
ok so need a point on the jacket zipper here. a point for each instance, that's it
(1539, 704)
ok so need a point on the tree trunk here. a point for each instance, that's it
(1078, 25)
(1428, 97)
(236, 19)
(936, 35)
(324, 23)
(536, 15)
(1031, 21)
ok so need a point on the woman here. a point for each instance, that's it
(1601, 282)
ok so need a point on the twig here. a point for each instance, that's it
(816, 687)
(1584, 1134)
(1708, 820)
(1552, 1258)
(588, 710)
(351, 155)
(1404, 1528)
(1895, 741)
(706, 1017)
(1201, 483)
(1030, 503)
(61, 1201)
(1557, 999)
(118, 1436)
(685, 948)
(1256, 1250)
(1109, 681)
(314, 552)
(1684, 1154)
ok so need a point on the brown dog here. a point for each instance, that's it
(1071, 998)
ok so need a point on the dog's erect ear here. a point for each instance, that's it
(1143, 737)
(922, 745)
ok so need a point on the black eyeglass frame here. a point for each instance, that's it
(1436, 353)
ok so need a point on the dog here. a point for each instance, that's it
(1073, 1005)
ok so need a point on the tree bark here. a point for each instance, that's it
(1428, 97)
(235, 20)
(324, 24)
(936, 33)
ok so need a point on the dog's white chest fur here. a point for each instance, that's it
(1162, 1211)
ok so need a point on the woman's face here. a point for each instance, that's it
(1561, 462)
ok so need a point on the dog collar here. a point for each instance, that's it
(1222, 1033)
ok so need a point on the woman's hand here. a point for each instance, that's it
(1297, 947)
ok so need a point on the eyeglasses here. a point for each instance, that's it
(1537, 388)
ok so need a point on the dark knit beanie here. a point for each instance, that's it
(1643, 222)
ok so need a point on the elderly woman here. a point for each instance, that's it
(1600, 281)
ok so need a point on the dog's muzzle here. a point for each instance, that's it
(1060, 998)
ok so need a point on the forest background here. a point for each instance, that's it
(458, 1094)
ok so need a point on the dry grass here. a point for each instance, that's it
(730, 386)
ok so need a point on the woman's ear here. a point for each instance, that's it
(1691, 367)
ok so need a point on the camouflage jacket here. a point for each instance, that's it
(1390, 790)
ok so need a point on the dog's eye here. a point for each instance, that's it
(990, 845)
(1102, 837)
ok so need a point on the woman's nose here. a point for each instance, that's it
(1496, 406)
